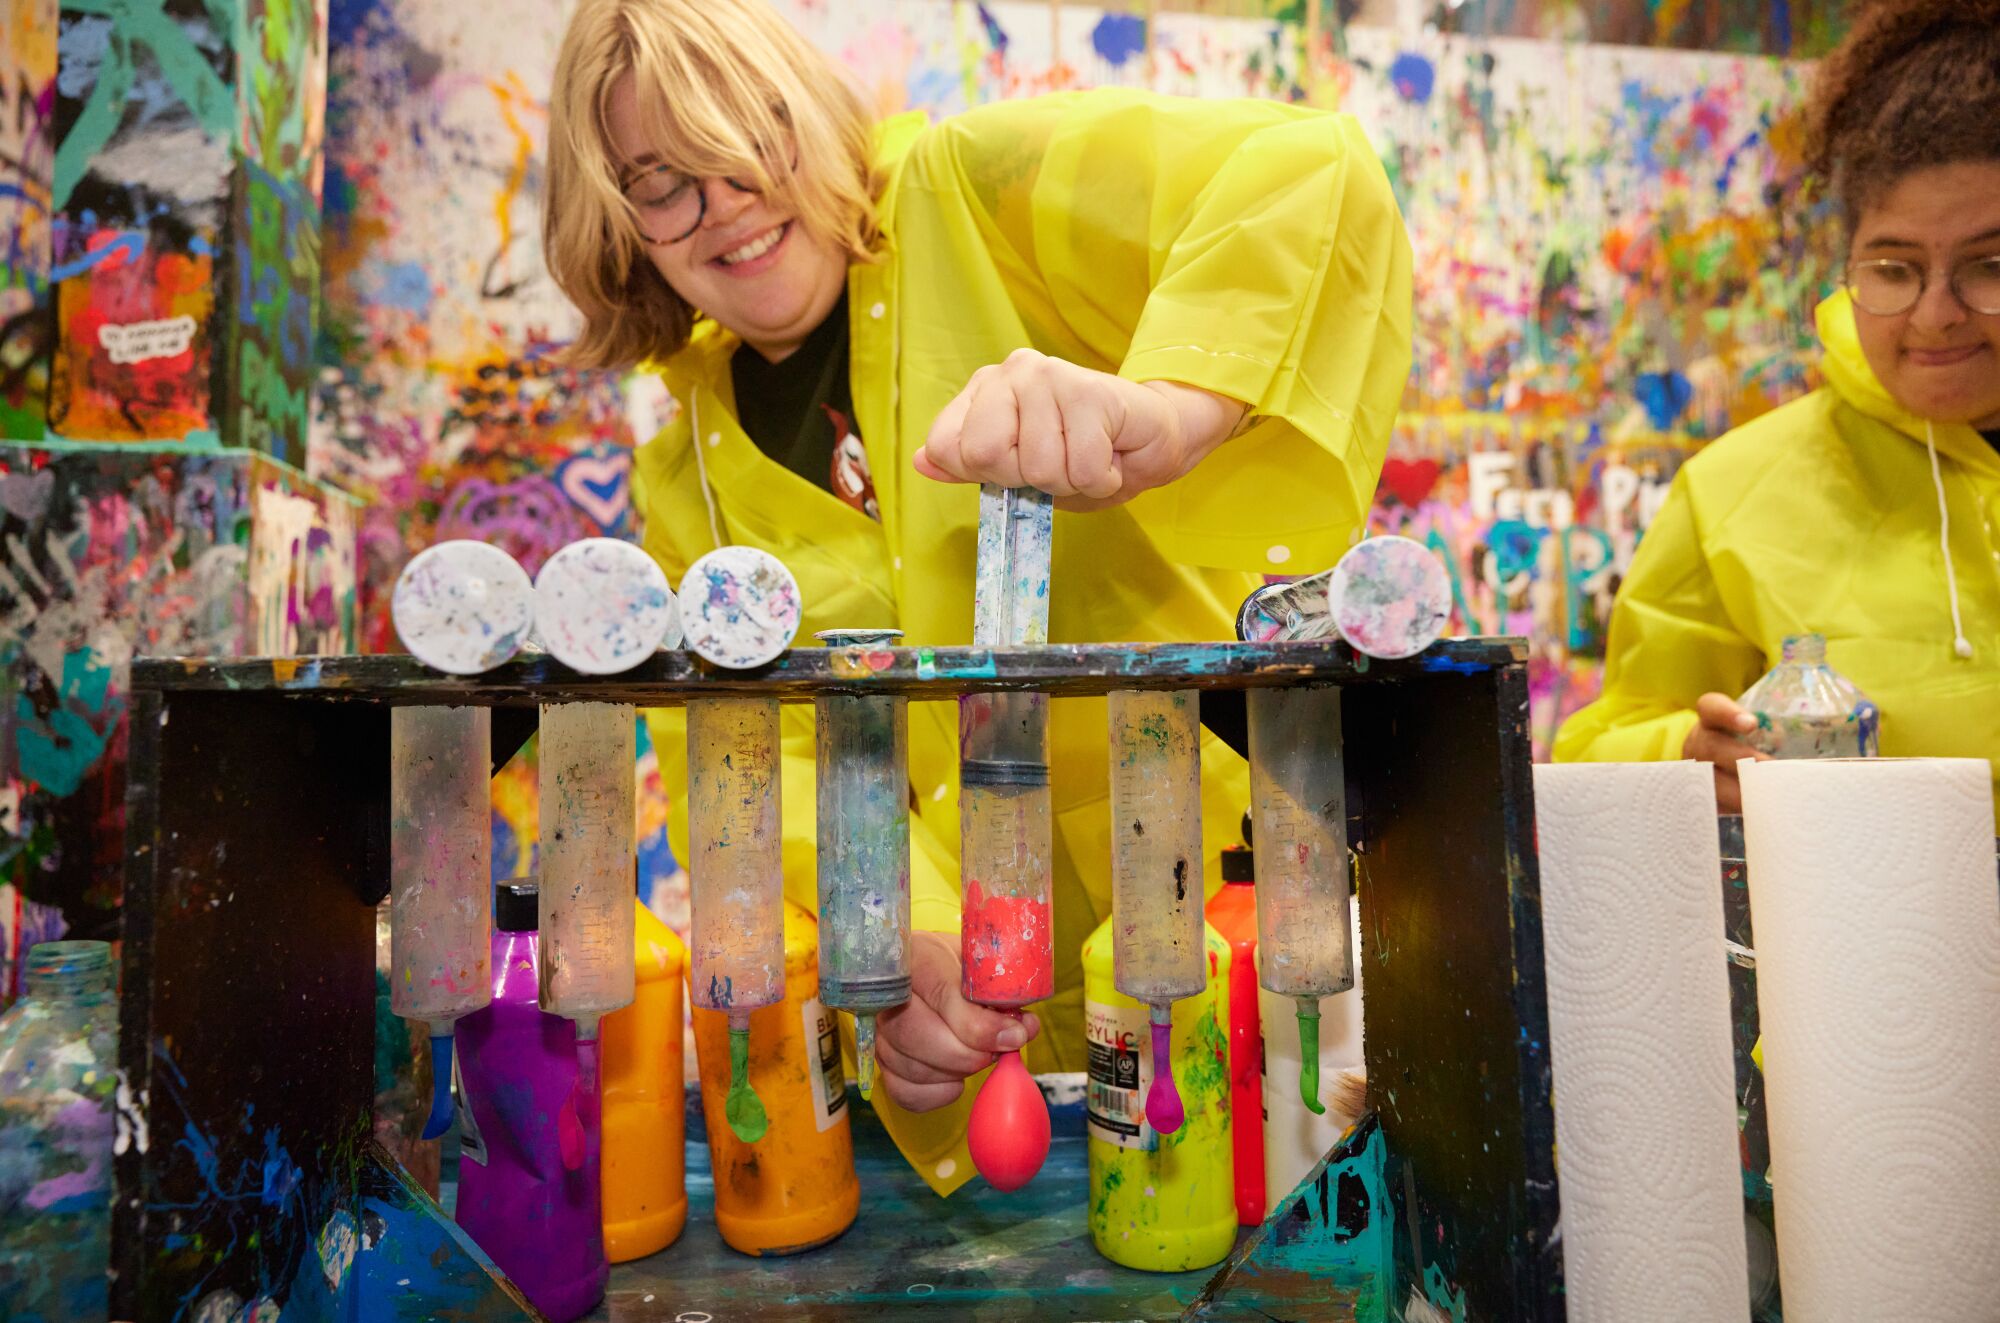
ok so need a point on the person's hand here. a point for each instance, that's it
(925, 1048)
(1088, 438)
(1718, 738)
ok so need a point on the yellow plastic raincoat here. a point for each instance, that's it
(1821, 516)
(1249, 248)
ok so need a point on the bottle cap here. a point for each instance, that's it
(517, 906)
(1238, 864)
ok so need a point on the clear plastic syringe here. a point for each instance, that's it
(1298, 806)
(440, 877)
(736, 876)
(588, 758)
(1006, 939)
(1156, 894)
(864, 852)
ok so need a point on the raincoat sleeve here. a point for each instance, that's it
(1250, 249)
(1671, 642)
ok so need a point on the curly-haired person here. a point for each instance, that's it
(1868, 511)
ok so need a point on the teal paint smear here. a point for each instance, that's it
(137, 23)
(57, 753)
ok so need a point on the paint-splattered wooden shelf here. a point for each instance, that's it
(258, 826)
(1063, 670)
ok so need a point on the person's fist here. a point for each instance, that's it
(925, 1048)
(1088, 438)
(1717, 738)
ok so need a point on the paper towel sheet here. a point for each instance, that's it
(1878, 986)
(1646, 1144)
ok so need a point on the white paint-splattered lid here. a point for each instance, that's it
(462, 607)
(603, 606)
(740, 607)
(1389, 597)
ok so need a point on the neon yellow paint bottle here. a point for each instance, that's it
(1163, 1203)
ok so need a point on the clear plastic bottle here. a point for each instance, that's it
(58, 1080)
(1806, 709)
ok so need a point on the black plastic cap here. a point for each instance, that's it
(1238, 864)
(517, 907)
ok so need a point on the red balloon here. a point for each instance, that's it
(1009, 1130)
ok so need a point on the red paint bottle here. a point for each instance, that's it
(1232, 911)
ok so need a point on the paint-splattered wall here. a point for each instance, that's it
(1609, 274)
(159, 229)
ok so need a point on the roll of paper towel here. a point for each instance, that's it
(1652, 1196)
(1878, 987)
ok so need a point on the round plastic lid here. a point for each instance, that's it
(462, 607)
(1389, 597)
(740, 607)
(603, 606)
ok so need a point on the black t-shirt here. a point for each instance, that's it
(1992, 438)
(800, 411)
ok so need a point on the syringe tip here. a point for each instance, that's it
(1309, 1055)
(743, 1108)
(1164, 1111)
(864, 1054)
(442, 1114)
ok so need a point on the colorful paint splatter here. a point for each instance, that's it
(463, 607)
(740, 607)
(603, 606)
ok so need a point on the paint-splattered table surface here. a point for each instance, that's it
(979, 1255)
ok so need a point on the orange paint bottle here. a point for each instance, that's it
(645, 1108)
(794, 1188)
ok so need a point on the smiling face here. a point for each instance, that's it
(752, 266)
(1940, 360)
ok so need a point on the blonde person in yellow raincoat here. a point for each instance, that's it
(1188, 320)
(1869, 511)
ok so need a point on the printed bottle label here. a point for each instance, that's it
(829, 1082)
(1120, 1072)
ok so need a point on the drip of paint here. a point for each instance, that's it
(743, 1108)
(1163, 1101)
(1309, 1055)
(864, 1054)
(570, 1139)
(441, 1115)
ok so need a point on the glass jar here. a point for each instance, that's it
(58, 1084)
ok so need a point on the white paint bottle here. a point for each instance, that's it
(1295, 1139)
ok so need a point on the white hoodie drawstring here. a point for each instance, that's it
(1959, 643)
(708, 496)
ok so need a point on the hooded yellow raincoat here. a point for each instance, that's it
(1249, 248)
(1821, 516)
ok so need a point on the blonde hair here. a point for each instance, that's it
(714, 79)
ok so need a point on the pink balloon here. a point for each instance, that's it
(1009, 1129)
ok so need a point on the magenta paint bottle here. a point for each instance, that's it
(537, 1217)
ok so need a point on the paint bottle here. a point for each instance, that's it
(1232, 911)
(1806, 709)
(794, 1187)
(1295, 1138)
(58, 1077)
(536, 1216)
(645, 1113)
(1162, 1203)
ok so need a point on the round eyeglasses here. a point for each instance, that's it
(1889, 287)
(671, 205)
